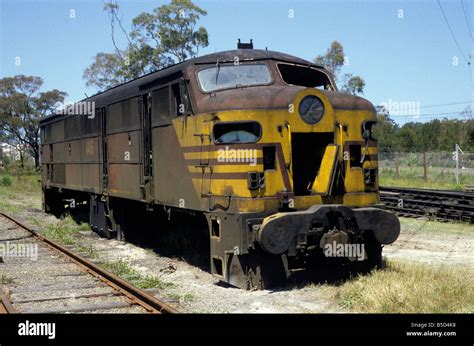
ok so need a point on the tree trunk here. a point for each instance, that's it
(37, 158)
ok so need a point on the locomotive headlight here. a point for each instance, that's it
(311, 109)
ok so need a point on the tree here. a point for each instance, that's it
(385, 131)
(435, 135)
(352, 84)
(105, 71)
(157, 39)
(21, 107)
(333, 60)
(408, 138)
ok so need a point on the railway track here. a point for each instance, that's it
(6, 306)
(38, 275)
(437, 204)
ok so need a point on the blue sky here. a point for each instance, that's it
(409, 59)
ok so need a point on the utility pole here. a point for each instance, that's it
(457, 150)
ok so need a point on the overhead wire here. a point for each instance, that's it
(468, 21)
(452, 33)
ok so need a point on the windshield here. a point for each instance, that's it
(231, 76)
(304, 76)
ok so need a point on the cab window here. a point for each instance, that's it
(237, 132)
(233, 76)
(305, 76)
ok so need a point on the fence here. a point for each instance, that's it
(426, 169)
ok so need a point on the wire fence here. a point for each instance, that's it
(427, 169)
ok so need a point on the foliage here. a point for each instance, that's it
(21, 107)
(172, 28)
(157, 39)
(352, 84)
(435, 135)
(5, 180)
(333, 60)
(121, 268)
(105, 71)
(16, 168)
(6, 280)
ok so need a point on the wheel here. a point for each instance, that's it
(374, 254)
(119, 233)
(373, 251)
(268, 273)
(254, 279)
(53, 203)
(97, 217)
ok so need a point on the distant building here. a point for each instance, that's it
(7, 151)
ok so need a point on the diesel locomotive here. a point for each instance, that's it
(257, 144)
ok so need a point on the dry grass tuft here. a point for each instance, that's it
(409, 287)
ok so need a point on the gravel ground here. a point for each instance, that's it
(419, 243)
(33, 275)
(197, 291)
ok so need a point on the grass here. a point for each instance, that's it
(88, 251)
(412, 177)
(20, 184)
(23, 191)
(126, 272)
(5, 180)
(430, 227)
(182, 298)
(409, 287)
(5, 280)
(63, 231)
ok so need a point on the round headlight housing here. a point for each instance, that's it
(311, 109)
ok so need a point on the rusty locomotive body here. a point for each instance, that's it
(259, 145)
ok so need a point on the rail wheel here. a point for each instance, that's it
(254, 279)
(373, 250)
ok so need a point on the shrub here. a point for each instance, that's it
(5, 180)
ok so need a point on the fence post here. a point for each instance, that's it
(425, 167)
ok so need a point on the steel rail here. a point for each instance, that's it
(134, 294)
(442, 204)
(6, 306)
